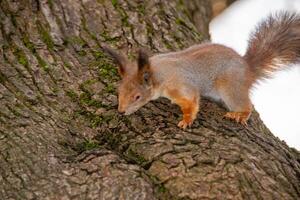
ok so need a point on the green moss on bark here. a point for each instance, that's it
(45, 35)
(21, 57)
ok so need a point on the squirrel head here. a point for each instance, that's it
(136, 86)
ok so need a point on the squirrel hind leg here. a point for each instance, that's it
(240, 110)
(239, 117)
(236, 98)
(240, 107)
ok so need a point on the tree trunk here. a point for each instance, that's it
(62, 138)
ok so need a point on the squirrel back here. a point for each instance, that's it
(274, 43)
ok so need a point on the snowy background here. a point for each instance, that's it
(278, 99)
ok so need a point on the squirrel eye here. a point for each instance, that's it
(137, 97)
(146, 77)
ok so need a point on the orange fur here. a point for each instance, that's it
(189, 107)
(240, 117)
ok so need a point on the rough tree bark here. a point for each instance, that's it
(62, 138)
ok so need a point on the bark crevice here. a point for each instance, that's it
(62, 138)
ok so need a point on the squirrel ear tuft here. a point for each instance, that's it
(143, 60)
(118, 59)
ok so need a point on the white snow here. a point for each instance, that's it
(278, 99)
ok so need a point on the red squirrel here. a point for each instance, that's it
(209, 70)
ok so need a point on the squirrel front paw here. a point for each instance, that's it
(185, 123)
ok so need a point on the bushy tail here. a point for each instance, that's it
(274, 43)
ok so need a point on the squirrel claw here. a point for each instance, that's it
(239, 117)
(244, 122)
(184, 124)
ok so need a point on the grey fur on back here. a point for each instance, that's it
(198, 66)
